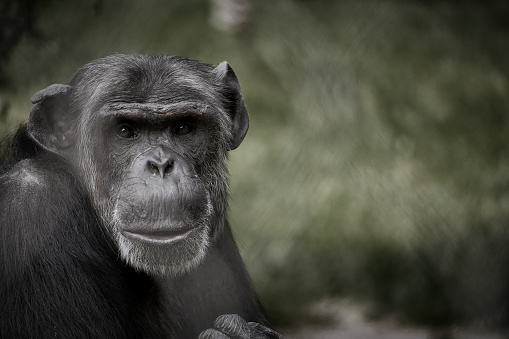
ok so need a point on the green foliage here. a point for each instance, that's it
(376, 163)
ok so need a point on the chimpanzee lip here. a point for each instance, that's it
(162, 236)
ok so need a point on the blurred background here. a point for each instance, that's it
(376, 168)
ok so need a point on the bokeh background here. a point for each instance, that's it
(376, 167)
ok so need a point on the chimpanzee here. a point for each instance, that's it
(113, 204)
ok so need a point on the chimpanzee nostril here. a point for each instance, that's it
(153, 168)
(160, 168)
(169, 167)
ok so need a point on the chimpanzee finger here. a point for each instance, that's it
(233, 325)
(212, 334)
(260, 331)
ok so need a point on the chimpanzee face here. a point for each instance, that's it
(149, 139)
(160, 206)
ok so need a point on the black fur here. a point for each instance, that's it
(60, 276)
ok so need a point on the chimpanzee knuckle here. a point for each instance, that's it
(226, 319)
(212, 334)
(233, 325)
(261, 332)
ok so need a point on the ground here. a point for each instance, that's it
(348, 322)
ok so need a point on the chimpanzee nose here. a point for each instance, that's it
(160, 166)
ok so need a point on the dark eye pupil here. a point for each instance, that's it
(126, 132)
(184, 129)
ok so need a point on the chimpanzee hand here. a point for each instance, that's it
(232, 326)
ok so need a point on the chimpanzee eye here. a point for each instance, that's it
(126, 131)
(183, 129)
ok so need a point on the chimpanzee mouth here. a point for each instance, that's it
(164, 236)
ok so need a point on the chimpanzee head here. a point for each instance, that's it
(148, 136)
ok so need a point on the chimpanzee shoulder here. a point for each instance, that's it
(57, 266)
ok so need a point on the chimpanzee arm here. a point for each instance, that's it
(50, 242)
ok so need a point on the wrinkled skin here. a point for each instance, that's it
(231, 326)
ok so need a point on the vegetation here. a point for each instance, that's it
(377, 162)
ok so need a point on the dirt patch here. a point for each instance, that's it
(348, 322)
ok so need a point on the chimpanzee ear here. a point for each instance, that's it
(235, 106)
(49, 121)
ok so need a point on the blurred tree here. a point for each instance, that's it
(17, 19)
(230, 15)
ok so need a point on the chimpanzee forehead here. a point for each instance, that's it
(160, 96)
(143, 79)
(162, 89)
(157, 96)
(156, 108)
